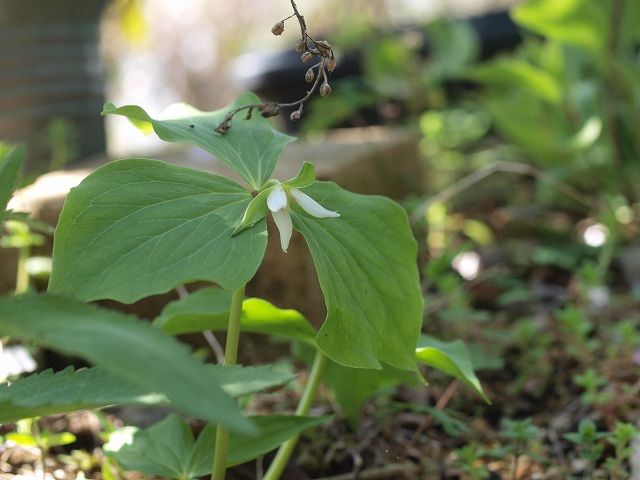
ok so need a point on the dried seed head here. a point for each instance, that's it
(331, 64)
(324, 47)
(325, 89)
(301, 45)
(278, 28)
(270, 109)
(309, 76)
(307, 57)
(295, 115)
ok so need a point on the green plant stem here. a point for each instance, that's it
(22, 276)
(286, 449)
(230, 358)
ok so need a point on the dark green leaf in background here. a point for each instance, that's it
(168, 448)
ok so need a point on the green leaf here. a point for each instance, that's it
(208, 309)
(508, 73)
(33, 223)
(168, 449)
(305, 177)
(251, 147)
(10, 164)
(22, 439)
(124, 346)
(255, 212)
(352, 387)
(49, 393)
(576, 22)
(450, 357)
(367, 267)
(137, 227)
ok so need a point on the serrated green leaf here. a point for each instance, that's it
(305, 177)
(450, 357)
(49, 393)
(251, 147)
(168, 449)
(366, 264)
(208, 309)
(137, 227)
(10, 165)
(124, 346)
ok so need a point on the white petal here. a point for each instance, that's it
(285, 227)
(277, 199)
(310, 206)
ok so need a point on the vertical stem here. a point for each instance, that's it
(286, 449)
(22, 276)
(230, 358)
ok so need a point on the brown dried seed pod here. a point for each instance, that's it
(309, 76)
(301, 45)
(325, 89)
(323, 47)
(331, 64)
(306, 57)
(295, 115)
(270, 109)
(278, 28)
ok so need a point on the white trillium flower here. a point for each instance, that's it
(278, 203)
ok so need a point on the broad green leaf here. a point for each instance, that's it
(576, 22)
(10, 164)
(367, 267)
(450, 357)
(305, 177)
(137, 227)
(49, 393)
(513, 73)
(251, 147)
(208, 309)
(168, 448)
(124, 346)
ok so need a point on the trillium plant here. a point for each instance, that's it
(139, 227)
